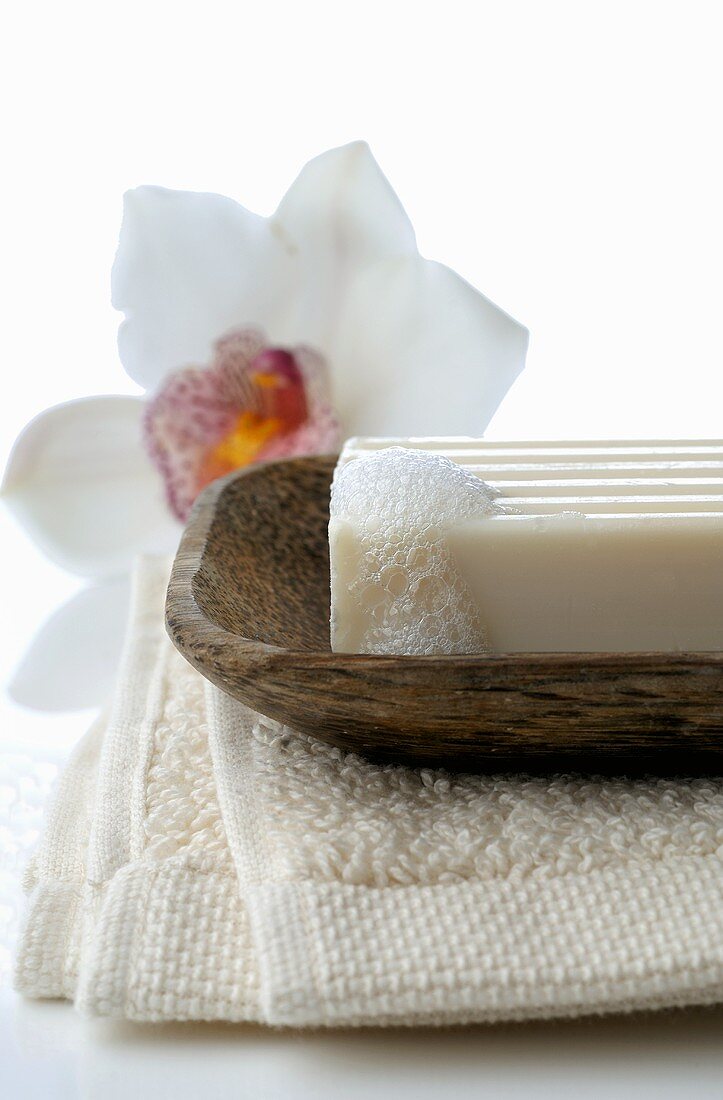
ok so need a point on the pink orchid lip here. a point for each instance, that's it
(253, 402)
(277, 361)
(281, 394)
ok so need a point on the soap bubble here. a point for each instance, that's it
(399, 504)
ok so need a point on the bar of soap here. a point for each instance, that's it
(458, 546)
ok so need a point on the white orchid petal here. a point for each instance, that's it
(188, 268)
(421, 352)
(79, 481)
(72, 661)
(339, 216)
(342, 205)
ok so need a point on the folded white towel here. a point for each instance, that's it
(203, 862)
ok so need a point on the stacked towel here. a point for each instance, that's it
(203, 862)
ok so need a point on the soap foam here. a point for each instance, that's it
(394, 507)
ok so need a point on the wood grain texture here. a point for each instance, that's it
(248, 606)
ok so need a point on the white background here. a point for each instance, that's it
(563, 157)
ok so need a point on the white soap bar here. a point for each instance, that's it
(466, 445)
(426, 557)
(625, 583)
(613, 505)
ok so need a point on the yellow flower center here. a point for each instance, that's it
(250, 433)
(265, 380)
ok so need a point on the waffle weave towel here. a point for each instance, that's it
(203, 862)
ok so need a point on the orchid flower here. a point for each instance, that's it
(253, 338)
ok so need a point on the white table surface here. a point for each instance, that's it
(48, 1052)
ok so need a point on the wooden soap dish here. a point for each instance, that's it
(248, 606)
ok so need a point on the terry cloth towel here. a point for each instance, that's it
(204, 862)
